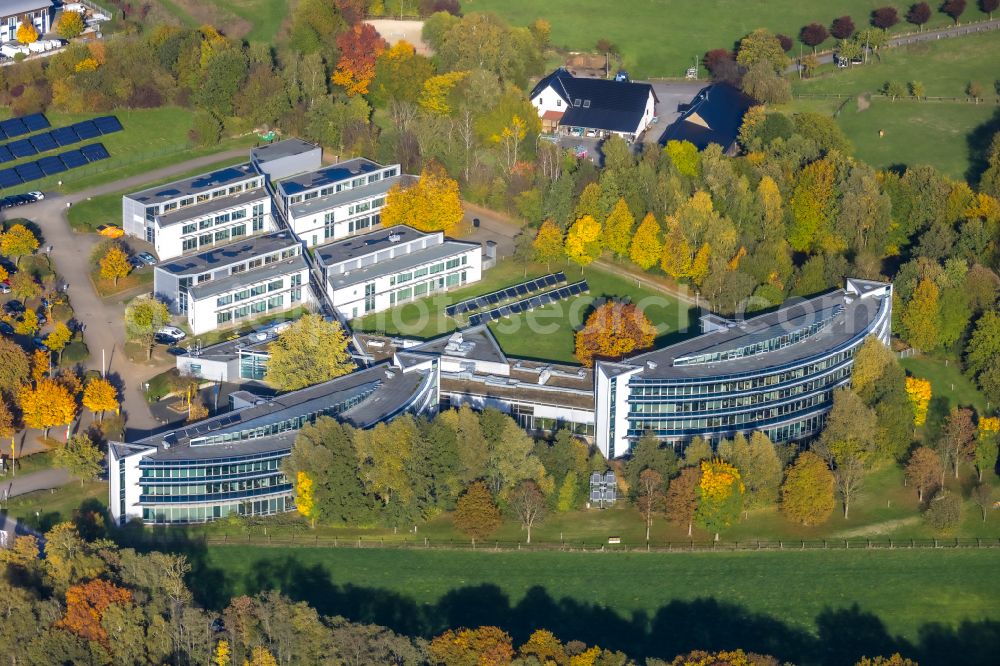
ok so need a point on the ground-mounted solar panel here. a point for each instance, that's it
(13, 127)
(95, 152)
(561, 276)
(517, 308)
(534, 302)
(22, 148)
(475, 320)
(73, 159)
(584, 287)
(64, 136)
(495, 315)
(86, 129)
(510, 292)
(107, 124)
(9, 178)
(563, 292)
(29, 171)
(3, 135)
(43, 142)
(5, 154)
(35, 122)
(504, 311)
(51, 165)
(492, 299)
(550, 280)
(521, 289)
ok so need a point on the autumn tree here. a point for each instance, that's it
(7, 429)
(58, 338)
(543, 646)
(100, 396)
(17, 242)
(919, 14)
(81, 457)
(70, 25)
(884, 17)
(584, 241)
(359, 48)
(464, 647)
(439, 93)
(41, 362)
(28, 325)
(650, 497)
(613, 330)
(305, 502)
(812, 203)
(15, 367)
(987, 445)
(24, 286)
(431, 204)
(646, 246)
(921, 316)
(144, 316)
(548, 243)
(944, 510)
(476, 514)
(115, 264)
(923, 470)
(618, 229)
(684, 156)
(310, 351)
(720, 496)
(85, 606)
(681, 499)
(384, 452)
(400, 74)
(989, 6)
(919, 392)
(508, 141)
(807, 493)
(848, 443)
(528, 503)
(760, 468)
(675, 257)
(813, 35)
(222, 656)
(26, 32)
(48, 404)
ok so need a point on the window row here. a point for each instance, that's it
(200, 514)
(216, 488)
(345, 185)
(416, 273)
(422, 289)
(210, 471)
(258, 307)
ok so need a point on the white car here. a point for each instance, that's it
(38, 196)
(172, 333)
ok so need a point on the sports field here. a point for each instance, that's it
(661, 38)
(819, 607)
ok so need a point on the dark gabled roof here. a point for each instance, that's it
(714, 116)
(616, 106)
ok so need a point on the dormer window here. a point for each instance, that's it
(576, 102)
(586, 103)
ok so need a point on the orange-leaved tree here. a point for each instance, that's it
(359, 47)
(487, 646)
(431, 204)
(85, 606)
(613, 330)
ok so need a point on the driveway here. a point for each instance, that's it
(103, 319)
(672, 96)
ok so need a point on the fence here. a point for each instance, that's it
(967, 99)
(304, 540)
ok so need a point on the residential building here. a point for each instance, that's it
(337, 201)
(384, 268)
(715, 115)
(225, 285)
(13, 12)
(775, 373)
(197, 213)
(285, 158)
(593, 107)
(231, 463)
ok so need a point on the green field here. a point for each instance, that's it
(947, 381)
(810, 607)
(252, 20)
(546, 333)
(661, 38)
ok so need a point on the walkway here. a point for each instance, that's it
(104, 319)
(42, 480)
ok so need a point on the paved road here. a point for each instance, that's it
(103, 318)
(41, 480)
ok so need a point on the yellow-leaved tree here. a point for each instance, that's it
(509, 139)
(646, 245)
(100, 396)
(17, 242)
(618, 228)
(58, 338)
(583, 242)
(223, 654)
(431, 204)
(675, 257)
(548, 243)
(115, 264)
(720, 495)
(699, 265)
(305, 502)
(436, 96)
(26, 32)
(919, 392)
(48, 404)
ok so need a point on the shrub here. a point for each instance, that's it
(944, 512)
(75, 352)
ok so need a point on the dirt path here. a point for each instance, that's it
(877, 529)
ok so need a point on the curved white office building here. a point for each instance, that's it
(775, 373)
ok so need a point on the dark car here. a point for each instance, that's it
(40, 344)
(136, 262)
(13, 307)
(6, 328)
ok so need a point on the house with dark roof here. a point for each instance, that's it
(593, 107)
(714, 116)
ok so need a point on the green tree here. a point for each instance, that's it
(685, 157)
(762, 45)
(944, 511)
(847, 444)
(893, 89)
(650, 453)
(760, 468)
(697, 450)
(80, 457)
(618, 229)
(384, 453)
(987, 449)
(812, 204)
(807, 493)
(982, 351)
(308, 352)
(144, 316)
(568, 491)
(646, 245)
(476, 514)
(325, 451)
(921, 317)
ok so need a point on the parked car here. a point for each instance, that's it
(5, 287)
(136, 262)
(171, 333)
(6, 328)
(36, 195)
(110, 231)
(147, 258)
(13, 307)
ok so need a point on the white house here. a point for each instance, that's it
(595, 107)
(198, 213)
(382, 269)
(13, 12)
(337, 201)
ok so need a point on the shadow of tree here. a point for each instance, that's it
(978, 141)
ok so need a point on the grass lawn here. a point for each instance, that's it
(265, 15)
(947, 381)
(137, 278)
(152, 138)
(545, 333)
(811, 607)
(661, 38)
(56, 506)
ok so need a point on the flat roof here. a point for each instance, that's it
(15, 7)
(228, 350)
(234, 253)
(281, 149)
(448, 248)
(212, 206)
(331, 174)
(195, 184)
(367, 243)
(236, 280)
(321, 204)
(476, 344)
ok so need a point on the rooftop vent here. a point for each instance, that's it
(395, 238)
(651, 365)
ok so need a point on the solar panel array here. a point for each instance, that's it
(53, 164)
(528, 304)
(24, 125)
(57, 138)
(517, 291)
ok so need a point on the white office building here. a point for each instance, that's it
(13, 12)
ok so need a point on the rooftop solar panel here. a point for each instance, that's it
(86, 129)
(43, 142)
(51, 165)
(9, 178)
(14, 127)
(73, 159)
(5, 154)
(35, 122)
(22, 148)
(29, 171)
(108, 124)
(95, 151)
(64, 136)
